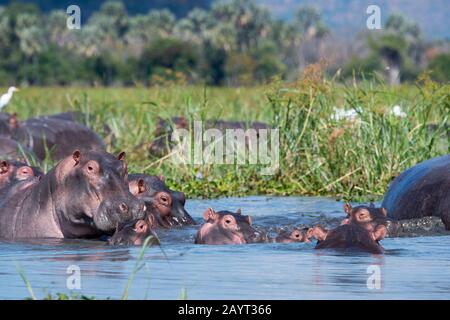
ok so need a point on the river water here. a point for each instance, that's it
(411, 268)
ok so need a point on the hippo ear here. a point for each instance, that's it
(384, 211)
(348, 208)
(13, 123)
(162, 178)
(137, 187)
(239, 211)
(248, 219)
(121, 156)
(4, 167)
(76, 155)
(209, 214)
(141, 186)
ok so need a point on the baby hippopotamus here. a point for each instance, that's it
(135, 233)
(225, 227)
(362, 230)
(166, 205)
(12, 172)
(295, 235)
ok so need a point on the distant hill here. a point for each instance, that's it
(344, 17)
(349, 16)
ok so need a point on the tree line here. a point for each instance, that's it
(233, 43)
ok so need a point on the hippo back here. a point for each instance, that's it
(423, 190)
(61, 137)
(350, 237)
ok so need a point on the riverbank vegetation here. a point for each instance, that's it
(335, 140)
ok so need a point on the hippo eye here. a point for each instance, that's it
(228, 221)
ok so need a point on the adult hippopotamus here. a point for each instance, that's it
(166, 205)
(164, 129)
(57, 136)
(225, 227)
(421, 191)
(362, 230)
(135, 233)
(11, 149)
(85, 195)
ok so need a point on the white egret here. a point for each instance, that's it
(4, 99)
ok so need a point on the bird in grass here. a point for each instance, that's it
(4, 99)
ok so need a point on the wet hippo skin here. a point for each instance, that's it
(166, 205)
(225, 227)
(85, 195)
(421, 191)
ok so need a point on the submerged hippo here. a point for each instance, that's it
(85, 195)
(225, 227)
(421, 191)
(12, 172)
(166, 205)
(135, 233)
(53, 135)
(362, 230)
(164, 129)
(295, 235)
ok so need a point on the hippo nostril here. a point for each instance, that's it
(123, 207)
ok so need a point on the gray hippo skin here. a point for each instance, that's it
(85, 195)
(57, 135)
(225, 227)
(362, 230)
(135, 233)
(421, 191)
(166, 205)
(12, 172)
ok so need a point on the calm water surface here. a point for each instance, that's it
(412, 268)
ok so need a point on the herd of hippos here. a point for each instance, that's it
(89, 194)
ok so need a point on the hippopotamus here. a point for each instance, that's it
(11, 149)
(12, 172)
(161, 144)
(135, 232)
(85, 195)
(225, 227)
(166, 205)
(362, 230)
(294, 235)
(421, 191)
(57, 136)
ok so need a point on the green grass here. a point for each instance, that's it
(319, 155)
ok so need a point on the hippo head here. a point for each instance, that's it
(93, 193)
(365, 214)
(225, 227)
(295, 235)
(8, 124)
(167, 205)
(15, 171)
(134, 233)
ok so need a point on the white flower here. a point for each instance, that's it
(398, 112)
